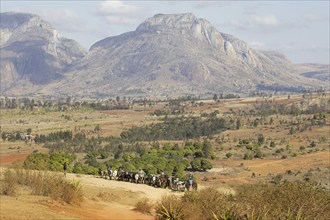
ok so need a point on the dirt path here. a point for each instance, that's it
(104, 199)
(140, 190)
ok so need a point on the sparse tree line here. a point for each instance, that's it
(178, 128)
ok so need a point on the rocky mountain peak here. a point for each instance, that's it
(163, 22)
(13, 24)
(33, 51)
(186, 25)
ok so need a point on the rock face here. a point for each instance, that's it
(168, 55)
(33, 53)
(177, 55)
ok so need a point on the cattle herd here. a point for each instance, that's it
(160, 180)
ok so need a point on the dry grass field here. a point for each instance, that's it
(291, 158)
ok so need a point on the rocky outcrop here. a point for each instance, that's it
(33, 53)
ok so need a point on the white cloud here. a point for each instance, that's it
(268, 21)
(117, 7)
(65, 20)
(255, 21)
(210, 4)
(119, 12)
(257, 45)
(314, 17)
(266, 24)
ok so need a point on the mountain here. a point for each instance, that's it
(171, 55)
(33, 54)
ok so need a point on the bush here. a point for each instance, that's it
(9, 186)
(44, 184)
(170, 207)
(229, 154)
(248, 156)
(143, 206)
(201, 164)
(295, 200)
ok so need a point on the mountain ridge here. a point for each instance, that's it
(170, 55)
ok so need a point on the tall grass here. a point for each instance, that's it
(42, 183)
(284, 201)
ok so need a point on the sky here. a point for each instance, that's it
(298, 29)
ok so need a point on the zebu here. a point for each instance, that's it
(194, 185)
(102, 173)
(114, 174)
(151, 179)
(138, 178)
(109, 171)
(177, 184)
(163, 181)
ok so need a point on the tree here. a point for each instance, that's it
(261, 139)
(3, 136)
(238, 124)
(207, 149)
(103, 154)
(215, 97)
(312, 144)
(206, 165)
(97, 128)
(18, 136)
(78, 168)
(272, 144)
(29, 131)
(201, 164)
(37, 161)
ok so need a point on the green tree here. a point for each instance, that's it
(238, 124)
(97, 128)
(103, 154)
(29, 131)
(215, 97)
(78, 168)
(272, 144)
(3, 136)
(229, 154)
(37, 161)
(312, 144)
(207, 149)
(261, 139)
(57, 159)
(201, 164)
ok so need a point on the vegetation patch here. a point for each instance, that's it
(295, 200)
(42, 183)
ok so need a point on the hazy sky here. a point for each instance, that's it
(298, 29)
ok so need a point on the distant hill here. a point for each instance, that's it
(33, 54)
(168, 55)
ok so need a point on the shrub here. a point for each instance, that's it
(248, 156)
(170, 207)
(229, 154)
(201, 164)
(295, 200)
(143, 206)
(43, 183)
(9, 186)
